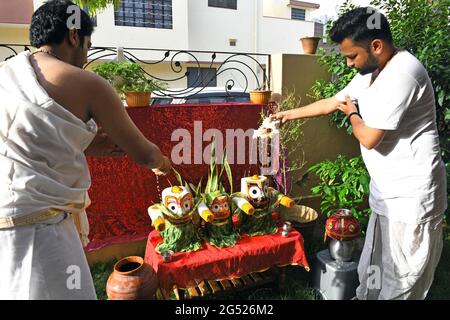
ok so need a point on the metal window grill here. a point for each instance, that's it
(298, 14)
(144, 13)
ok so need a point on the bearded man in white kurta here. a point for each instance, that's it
(396, 127)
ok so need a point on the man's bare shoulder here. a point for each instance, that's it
(85, 79)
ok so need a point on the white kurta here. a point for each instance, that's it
(43, 167)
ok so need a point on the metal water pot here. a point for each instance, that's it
(342, 251)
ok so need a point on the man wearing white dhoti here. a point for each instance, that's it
(49, 111)
(396, 127)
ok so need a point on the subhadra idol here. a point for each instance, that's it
(265, 200)
(216, 211)
(175, 219)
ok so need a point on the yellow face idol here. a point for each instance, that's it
(178, 200)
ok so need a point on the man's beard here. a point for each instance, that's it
(370, 66)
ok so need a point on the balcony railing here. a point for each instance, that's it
(253, 69)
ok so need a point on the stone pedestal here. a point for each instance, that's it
(334, 280)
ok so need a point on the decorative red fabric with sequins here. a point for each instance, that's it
(250, 254)
(121, 190)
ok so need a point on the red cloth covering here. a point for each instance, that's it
(250, 254)
(121, 190)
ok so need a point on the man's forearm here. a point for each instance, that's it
(316, 109)
(368, 137)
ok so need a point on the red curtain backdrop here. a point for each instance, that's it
(122, 191)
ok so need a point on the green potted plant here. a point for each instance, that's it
(344, 184)
(129, 80)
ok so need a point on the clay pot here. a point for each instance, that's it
(341, 225)
(132, 279)
(137, 99)
(310, 44)
(260, 96)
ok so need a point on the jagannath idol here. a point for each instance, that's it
(175, 219)
(265, 200)
(217, 207)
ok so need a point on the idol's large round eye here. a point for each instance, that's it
(254, 192)
(225, 205)
(215, 208)
(187, 205)
(173, 207)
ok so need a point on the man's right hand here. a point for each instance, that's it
(282, 116)
(164, 168)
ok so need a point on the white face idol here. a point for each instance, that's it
(257, 190)
(178, 200)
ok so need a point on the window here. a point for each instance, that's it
(228, 4)
(298, 14)
(318, 29)
(202, 77)
(144, 13)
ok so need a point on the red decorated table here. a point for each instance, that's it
(250, 254)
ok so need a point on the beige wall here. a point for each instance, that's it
(320, 139)
(12, 35)
(117, 252)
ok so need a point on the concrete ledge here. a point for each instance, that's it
(116, 251)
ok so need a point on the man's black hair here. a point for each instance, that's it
(361, 25)
(49, 23)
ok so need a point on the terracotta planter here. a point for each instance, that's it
(137, 99)
(310, 44)
(260, 97)
(132, 279)
(342, 226)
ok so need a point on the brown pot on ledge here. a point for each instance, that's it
(137, 99)
(132, 279)
(310, 44)
(260, 96)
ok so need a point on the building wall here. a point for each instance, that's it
(12, 34)
(10, 14)
(107, 34)
(211, 27)
(283, 35)
(282, 9)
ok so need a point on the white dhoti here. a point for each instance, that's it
(399, 259)
(44, 261)
(44, 177)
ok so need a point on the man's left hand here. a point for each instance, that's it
(347, 107)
